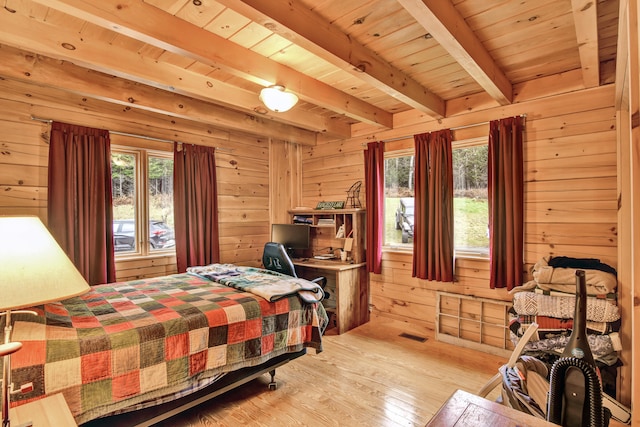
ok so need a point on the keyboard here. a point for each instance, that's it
(328, 256)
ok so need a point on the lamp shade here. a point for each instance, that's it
(276, 99)
(34, 269)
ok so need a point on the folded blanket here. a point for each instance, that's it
(267, 284)
(557, 290)
(582, 263)
(551, 326)
(212, 271)
(598, 310)
(612, 296)
(564, 279)
(600, 345)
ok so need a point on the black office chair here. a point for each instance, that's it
(276, 258)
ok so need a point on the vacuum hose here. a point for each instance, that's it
(592, 413)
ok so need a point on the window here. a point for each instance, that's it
(398, 199)
(142, 185)
(470, 203)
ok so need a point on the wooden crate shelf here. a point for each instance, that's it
(479, 323)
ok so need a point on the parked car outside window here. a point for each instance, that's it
(161, 236)
(404, 218)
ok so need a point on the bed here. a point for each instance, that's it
(126, 346)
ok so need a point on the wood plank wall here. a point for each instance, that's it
(570, 155)
(628, 103)
(570, 201)
(242, 169)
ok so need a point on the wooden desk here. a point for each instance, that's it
(464, 409)
(348, 287)
(52, 411)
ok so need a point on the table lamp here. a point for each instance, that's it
(34, 270)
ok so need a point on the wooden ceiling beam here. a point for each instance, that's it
(585, 16)
(71, 78)
(441, 19)
(146, 23)
(306, 29)
(24, 33)
(48, 103)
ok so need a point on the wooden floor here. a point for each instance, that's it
(370, 376)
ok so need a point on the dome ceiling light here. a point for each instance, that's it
(276, 99)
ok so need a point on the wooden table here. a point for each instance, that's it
(464, 409)
(52, 411)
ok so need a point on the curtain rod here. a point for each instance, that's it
(453, 128)
(134, 135)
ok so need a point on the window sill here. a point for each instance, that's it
(398, 249)
(135, 256)
(458, 255)
(474, 256)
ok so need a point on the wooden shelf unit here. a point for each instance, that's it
(347, 282)
(478, 323)
(325, 225)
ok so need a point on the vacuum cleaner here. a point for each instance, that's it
(575, 393)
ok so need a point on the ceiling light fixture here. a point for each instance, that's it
(276, 99)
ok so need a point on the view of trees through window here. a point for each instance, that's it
(157, 189)
(123, 188)
(160, 187)
(470, 204)
(470, 199)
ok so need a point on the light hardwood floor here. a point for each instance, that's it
(370, 376)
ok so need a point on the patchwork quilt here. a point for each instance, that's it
(125, 343)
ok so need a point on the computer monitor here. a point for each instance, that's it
(291, 236)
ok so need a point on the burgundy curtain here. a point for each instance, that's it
(79, 199)
(374, 190)
(506, 203)
(433, 224)
(195, 206)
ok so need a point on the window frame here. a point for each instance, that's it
(468, 143)
(141, 174)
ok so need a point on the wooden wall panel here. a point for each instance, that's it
(570, 186)
(285, 181)
(134, 269)
(571, 204)
(242, 168)
(628, 105)
(571, 194)
(329, 170)
(23, 164)
(23, 196)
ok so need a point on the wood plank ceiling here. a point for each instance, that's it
(349, 61)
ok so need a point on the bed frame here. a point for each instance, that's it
(149, 416)
(193, 330)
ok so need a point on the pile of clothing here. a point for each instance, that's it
(549, 301)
